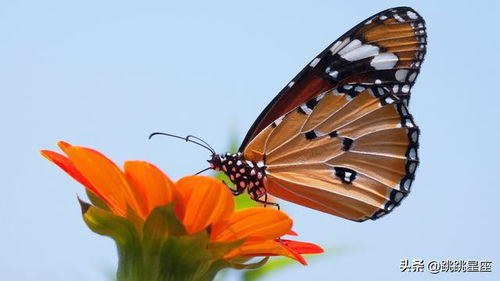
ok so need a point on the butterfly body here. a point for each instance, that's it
(339, 137)
(245, 174)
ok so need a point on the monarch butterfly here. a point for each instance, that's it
(339, 138)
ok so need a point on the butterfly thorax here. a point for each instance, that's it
(244, 174)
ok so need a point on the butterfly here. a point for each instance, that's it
(339, 137)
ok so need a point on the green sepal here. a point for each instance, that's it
(96, 200)
(106, 223)
(271, 266)
(125, 235)
(135, 219)
(220, 249)
(162, 222)
(250, 265)
(185, 258)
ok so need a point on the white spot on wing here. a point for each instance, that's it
(398, 197)
(338, 45)
(380, 91)
(314, 62)
(334, 74)
(389, 99)
(291, 84)
(412, 167)
(406, 184)
(413, 154)
(412, 15)
(359, 53)
(395, 88)
(409, 124)
(401, 74)
(351, 46)
(405, 89)
(414, 136)
(278, 121)
(412, 77)
(384, 61)
(319, 133)
(399, 18)
(306, 109)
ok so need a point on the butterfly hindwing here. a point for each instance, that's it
(386, 50)
(348, 152)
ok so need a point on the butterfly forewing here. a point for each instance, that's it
(348, 153)
(386, 49)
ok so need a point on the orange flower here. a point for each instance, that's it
(141, 186)
(202, 205)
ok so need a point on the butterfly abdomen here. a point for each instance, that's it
(244, 174)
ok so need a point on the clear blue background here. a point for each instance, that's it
(105, 74)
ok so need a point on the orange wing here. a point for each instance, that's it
(348, 152)
(386, 50)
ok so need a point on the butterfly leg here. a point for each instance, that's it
(236, 191)
(265, 202)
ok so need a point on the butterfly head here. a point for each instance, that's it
(215, 162)
(221, 162)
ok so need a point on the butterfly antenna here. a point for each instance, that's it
(188, 139)
(197, 138)
(202, 171)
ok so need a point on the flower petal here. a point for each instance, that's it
(65, 164)
(154, 188)
(204, 201)
(253, 222)
(63, 145)
(301, 247)
(105, 176)
(263, 247)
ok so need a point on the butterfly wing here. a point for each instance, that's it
(386, 49)
(348, 152)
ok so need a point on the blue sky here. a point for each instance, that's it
(105, 74)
